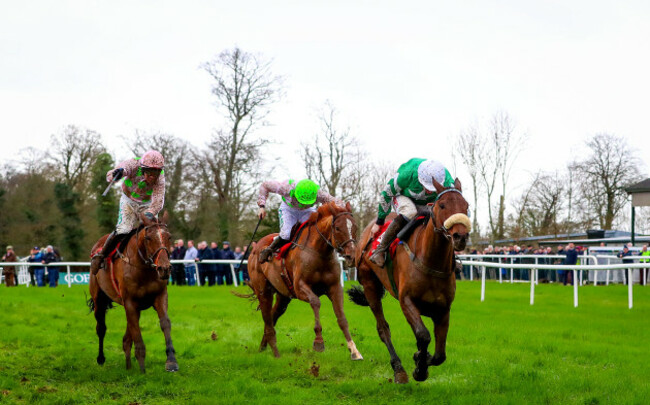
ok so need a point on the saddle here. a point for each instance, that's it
(403, 235)
(294, 235)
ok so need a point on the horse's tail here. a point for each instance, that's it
(103, 301)
(357, 296)
(250, 296)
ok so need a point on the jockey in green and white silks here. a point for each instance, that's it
(298, 203)
(143, 192)
(408, 193)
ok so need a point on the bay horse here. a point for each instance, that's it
(136, 279)
(308, 270)
(424, 276)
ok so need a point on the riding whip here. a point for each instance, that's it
(115, 178)
(249, 244)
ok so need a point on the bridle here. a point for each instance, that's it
(152, 260)
(443, 229)
(340, 246)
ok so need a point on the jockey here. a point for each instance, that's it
(143, 191)
(298, 200)
(408, 192)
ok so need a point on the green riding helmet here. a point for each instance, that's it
(306, 192)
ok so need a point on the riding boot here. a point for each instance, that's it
(379, 257)
(267, 252)
(97, 261)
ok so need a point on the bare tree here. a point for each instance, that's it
(333, 157)
(73, 153)
(469, 146)
(603, 175)
(244, 88)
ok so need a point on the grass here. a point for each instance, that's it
(500, 351)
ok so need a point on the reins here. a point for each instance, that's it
(340, 246)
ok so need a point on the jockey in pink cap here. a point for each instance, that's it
(143, 191)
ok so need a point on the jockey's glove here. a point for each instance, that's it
(118, 173)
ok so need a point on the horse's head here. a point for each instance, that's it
(450, 213)
(343, 231)
(156, 245)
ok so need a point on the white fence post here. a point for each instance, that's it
(483, 283)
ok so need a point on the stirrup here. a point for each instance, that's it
(379, 258)
(266, 254)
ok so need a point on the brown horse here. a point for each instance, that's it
(136, 279)
(312, 270)
(424, 275)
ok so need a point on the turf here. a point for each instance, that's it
(500, 351)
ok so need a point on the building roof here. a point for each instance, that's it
(640, 187)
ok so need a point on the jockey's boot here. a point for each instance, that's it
(97, 261)
(379, 257)
(267, 252)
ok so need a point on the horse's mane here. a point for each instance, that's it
(325, 210)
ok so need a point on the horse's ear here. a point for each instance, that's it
(439, 187)
(348, 207)
(457, 185)
(165, 217)
(146, 221)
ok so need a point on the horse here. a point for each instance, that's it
(423, 275)
(308, 270)
(137, 279)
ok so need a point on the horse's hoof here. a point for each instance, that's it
(101, 360)
(171, 367)
(356, 356)
(276, 354)
(437, 360)
(420, 375)
(401, 377)
(319, 346)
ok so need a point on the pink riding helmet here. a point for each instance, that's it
(152, 159)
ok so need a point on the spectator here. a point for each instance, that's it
(622, 255)
(190, 268)
(570, 259)
(561, 274)
(643, 272)
(238, 255)
(244, 267)
(178, 269)
(226, 254)
(9, 271)
(206, 270)
(52, 271)
(35, 256)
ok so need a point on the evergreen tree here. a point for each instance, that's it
(107, 207)
(73, 233)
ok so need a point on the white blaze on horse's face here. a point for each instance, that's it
(349, 222)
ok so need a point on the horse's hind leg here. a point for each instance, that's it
(336, 296)
(372, 290)
(101, 304)
(281, 304)
(265, 298)
(165, 324)
(422, 336)
(127, 344)
(306, 294)
(441, 327)
(133, 325)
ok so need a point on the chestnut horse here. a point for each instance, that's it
(136, 279)
(312, 269)
(424, 275)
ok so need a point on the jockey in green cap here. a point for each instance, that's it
(298, 200)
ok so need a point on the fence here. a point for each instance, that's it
(24, 277)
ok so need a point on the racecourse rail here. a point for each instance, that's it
(466, 260)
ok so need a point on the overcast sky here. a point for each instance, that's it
(406, 76)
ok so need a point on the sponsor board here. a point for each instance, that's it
(77, 278)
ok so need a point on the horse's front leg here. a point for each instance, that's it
(133, 330)
(336, 296)
(441, 327)
(304, 293)
(160, 304)
(265, 298)
(422, 336)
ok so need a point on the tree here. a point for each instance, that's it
(244, 88)
(469, 146)
(603, 175)
(73, 234)
(106, 209)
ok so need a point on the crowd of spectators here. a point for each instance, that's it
(39, 275)
(208, 273)
(570, 256)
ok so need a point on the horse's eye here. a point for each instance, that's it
(442, 206)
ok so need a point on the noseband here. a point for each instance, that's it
(340, 246)
(443, 229)
(152, 259)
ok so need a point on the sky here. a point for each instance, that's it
(406, 76)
